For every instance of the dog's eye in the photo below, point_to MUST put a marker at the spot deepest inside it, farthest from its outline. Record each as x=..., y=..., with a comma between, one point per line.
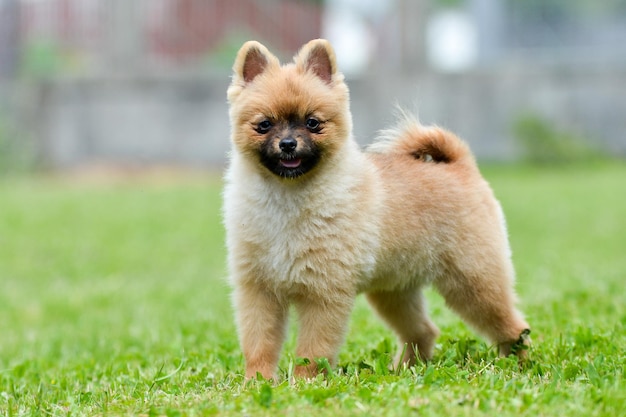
x=313, y=125
x=264, y=126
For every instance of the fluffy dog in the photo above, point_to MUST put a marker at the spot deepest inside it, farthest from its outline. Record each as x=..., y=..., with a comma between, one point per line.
x=312, y=220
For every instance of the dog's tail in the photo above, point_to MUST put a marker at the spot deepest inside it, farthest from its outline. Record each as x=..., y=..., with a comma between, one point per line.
x=426, y=143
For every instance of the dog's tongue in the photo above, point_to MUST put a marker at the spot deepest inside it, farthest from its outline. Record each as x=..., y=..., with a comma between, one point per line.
x=292, y=163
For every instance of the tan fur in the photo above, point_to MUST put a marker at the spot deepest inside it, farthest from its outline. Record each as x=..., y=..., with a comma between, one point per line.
x=411, y=211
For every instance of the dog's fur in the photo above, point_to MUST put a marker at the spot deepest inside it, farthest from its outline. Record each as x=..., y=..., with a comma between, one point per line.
x=313, y=221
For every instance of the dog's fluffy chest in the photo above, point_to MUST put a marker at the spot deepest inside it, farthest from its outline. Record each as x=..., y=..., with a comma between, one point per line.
x=289, y=236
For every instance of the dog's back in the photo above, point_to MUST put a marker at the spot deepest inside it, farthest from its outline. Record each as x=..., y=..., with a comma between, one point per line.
x=436, y=202
x=426, y=143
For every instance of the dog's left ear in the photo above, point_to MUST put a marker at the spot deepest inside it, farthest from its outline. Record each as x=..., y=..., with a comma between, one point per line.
x=318, y=57
x=252, y=60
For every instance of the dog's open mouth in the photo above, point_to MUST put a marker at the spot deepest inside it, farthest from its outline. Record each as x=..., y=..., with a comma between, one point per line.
x=291, y=163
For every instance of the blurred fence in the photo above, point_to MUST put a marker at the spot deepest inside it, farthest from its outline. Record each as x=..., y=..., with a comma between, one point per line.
x=44, y=38
x=85, y=37
x=143, y=81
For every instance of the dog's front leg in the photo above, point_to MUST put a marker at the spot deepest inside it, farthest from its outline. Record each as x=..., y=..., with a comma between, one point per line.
x=261, y=319
x=323, y=324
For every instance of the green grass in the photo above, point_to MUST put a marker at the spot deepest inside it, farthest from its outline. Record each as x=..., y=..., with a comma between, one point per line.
x=113, y=301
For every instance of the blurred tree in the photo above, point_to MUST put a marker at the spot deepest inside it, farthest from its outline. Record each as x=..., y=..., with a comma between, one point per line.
x=541, y=142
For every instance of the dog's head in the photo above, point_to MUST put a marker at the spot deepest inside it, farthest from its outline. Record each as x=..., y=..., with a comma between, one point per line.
x=289, y=119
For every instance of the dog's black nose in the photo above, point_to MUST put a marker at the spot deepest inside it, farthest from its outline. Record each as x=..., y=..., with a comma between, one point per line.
x=288, y=144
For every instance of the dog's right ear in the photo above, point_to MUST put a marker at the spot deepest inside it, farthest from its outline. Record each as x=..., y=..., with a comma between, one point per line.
x=252, y=59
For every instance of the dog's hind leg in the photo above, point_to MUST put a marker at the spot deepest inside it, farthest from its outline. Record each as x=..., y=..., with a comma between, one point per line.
x=405, y=312
x=487, y=302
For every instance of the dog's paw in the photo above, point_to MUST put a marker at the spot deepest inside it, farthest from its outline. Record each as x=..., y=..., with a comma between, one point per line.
x=518, y=348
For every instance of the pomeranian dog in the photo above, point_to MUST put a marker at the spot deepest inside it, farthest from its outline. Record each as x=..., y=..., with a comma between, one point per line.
x=312, y=221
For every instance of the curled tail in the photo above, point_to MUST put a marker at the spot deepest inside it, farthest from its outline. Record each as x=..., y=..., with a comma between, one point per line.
x=427, y=143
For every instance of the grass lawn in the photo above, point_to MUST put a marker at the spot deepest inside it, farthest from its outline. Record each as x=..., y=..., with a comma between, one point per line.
x=113, y=301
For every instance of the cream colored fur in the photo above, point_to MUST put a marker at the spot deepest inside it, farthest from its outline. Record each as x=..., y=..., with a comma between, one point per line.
x=410, y=212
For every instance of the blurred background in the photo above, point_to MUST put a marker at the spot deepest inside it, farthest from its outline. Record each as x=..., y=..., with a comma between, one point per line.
x=137, y=83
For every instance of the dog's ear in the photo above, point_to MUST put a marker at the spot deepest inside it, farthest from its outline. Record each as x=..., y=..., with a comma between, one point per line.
x=252, y=59
x=318, y=57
